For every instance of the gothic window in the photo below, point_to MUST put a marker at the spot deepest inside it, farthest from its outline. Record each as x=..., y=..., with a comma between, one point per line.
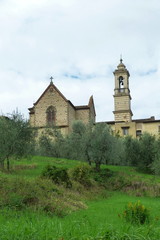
x=50, y=116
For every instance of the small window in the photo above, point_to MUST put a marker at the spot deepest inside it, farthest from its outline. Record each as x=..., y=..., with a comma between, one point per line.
x=125, y=131
x=138, y=133
x=50, y=116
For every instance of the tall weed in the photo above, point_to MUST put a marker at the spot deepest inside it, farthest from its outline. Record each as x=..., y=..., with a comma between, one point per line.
x=136, y=213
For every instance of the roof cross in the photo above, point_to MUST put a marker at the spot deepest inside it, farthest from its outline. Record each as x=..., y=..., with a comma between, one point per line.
x=51, y=79
x=121, y=58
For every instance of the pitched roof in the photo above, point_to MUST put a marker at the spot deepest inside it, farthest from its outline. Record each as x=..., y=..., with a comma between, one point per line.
x=91, y=102
x=50, y=85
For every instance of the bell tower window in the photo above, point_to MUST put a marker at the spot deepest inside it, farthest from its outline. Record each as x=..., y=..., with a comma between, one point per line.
x=50, y=116
x=121, y=84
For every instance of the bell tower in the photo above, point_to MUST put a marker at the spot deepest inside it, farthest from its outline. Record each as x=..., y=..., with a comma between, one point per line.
x=122, y=98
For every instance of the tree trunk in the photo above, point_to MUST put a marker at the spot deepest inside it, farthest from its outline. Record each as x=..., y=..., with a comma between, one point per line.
x=1, y=164
x=90, y=163
x=8, y=164
x=97, y=167
x=88, y=159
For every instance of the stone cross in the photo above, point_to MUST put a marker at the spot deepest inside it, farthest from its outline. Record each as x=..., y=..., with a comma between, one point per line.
x=51, y=79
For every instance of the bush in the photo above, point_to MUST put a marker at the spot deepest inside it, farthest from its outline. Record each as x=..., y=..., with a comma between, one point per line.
x=82, y=174
x=136, y=213
x=103, y=176
x=57, y=175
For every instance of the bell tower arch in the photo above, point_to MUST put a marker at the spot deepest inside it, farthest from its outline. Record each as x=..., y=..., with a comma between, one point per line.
x=122, y=98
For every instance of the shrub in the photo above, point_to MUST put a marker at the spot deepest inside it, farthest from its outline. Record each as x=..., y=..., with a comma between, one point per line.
x=103, y=176
x=57, y=175
x=136, y=213
x=82, y=174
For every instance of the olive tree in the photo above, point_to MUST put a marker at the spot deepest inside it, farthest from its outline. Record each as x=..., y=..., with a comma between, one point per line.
x=101, y=141
x=16, y=138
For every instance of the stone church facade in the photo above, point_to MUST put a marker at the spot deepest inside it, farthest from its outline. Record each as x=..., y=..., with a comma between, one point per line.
x=53, y=109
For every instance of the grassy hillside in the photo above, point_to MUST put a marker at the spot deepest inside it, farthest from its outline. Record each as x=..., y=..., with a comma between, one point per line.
x=35, y=208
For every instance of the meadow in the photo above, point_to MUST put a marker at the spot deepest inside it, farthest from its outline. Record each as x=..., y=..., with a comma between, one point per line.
x=97, y=213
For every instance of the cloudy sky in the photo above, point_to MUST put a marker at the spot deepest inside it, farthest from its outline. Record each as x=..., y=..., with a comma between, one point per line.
x=79, y=43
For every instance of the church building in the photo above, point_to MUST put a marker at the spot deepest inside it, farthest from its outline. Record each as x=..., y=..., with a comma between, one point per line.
x=53, y=109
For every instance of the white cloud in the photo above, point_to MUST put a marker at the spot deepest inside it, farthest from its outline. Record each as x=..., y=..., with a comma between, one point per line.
x=83, y=38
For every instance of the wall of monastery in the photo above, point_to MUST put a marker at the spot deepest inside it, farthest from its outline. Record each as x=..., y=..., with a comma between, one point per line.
x=71, y=116
x=32, y=120
x=152, y=128
x=92, y=116
x=82, y=115
x=130, y=125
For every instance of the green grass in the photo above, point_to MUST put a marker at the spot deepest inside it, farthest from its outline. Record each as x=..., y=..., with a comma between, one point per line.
x=103, y=216
x=38, y=163
x=132, y=171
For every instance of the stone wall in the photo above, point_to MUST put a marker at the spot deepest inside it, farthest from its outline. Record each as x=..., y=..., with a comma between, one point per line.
x=152, y=128
x=71, y=116
x=122, y=116
x=122, y=103
x=82, y=115
x=130, y=125
x=92, y=116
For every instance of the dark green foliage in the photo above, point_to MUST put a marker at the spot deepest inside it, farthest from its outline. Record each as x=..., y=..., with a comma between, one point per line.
x=97, y=145
x=46, y=146
x=52, y=143
x=147, y=152
x=143, y=153
x=82, y=174
x=16, y=138
x=132, y=151
x=136, y=213
x=101, y=141
x=57, y=175
x=92, y=143
x=74, y=142
x=155, y=166
x=117, y=152
x=78, y=128
x=103, y=176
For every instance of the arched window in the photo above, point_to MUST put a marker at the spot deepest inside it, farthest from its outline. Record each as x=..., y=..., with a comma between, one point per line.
x=121, y=83
x=50, y=116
